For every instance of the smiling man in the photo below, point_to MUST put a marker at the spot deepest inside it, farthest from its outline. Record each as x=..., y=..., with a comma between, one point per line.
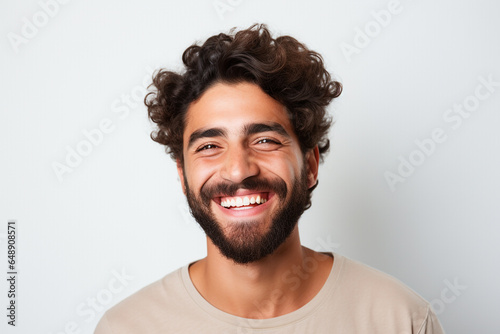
x=246, y=123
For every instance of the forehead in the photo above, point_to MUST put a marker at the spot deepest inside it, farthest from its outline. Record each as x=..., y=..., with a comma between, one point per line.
x=233, y=106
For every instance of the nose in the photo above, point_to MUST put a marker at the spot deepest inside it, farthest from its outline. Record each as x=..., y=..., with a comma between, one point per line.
x=238, y=165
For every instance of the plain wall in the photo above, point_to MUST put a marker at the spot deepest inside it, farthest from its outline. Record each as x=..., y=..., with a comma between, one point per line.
x=120, y=212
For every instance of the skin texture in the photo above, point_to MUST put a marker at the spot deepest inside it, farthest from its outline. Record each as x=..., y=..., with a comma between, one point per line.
x=231, y=155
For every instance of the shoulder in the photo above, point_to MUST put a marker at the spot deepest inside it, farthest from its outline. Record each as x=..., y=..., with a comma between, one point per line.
x=138, y=311
x=372, y=282
x=382, y=299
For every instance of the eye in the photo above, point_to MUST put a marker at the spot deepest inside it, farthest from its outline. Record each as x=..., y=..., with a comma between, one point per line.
x=206, y=147
x=267, y=144
x=268, y=141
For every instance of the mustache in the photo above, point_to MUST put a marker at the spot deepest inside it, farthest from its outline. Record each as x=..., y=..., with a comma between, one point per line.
x=277, y=186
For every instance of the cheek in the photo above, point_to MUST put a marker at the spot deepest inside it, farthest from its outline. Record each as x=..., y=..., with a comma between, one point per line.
x=283, y=167
x=199, y=173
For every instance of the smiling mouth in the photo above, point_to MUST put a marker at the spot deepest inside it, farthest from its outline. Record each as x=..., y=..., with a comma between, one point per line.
x=247, y=201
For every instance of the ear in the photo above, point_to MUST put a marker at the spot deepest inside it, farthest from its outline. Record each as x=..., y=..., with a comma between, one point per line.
x=312, y=161
x=180, y=171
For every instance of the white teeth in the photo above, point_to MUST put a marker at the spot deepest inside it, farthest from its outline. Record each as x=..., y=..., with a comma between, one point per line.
x=239, y=202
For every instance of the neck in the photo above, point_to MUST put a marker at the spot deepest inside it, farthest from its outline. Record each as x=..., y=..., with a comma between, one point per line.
x=278, y=284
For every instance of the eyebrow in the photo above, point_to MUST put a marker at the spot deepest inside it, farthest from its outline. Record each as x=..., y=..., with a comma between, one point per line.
x=249, y=129
x=206, y=133
x=254, y=128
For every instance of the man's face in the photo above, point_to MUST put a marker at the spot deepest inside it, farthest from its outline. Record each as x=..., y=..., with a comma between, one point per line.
x=244, y=174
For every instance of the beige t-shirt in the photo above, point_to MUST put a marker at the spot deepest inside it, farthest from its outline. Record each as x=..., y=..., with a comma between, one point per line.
x=354, y=299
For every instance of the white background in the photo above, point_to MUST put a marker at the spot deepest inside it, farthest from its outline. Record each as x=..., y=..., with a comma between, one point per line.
x=121, y=208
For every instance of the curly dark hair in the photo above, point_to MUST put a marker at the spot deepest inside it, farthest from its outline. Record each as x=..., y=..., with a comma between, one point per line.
x=283, y=68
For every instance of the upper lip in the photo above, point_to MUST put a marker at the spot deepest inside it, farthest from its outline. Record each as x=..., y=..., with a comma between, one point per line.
x=242, y=192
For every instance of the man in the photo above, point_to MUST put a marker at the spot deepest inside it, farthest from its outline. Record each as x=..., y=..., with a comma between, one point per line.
x=247, y=126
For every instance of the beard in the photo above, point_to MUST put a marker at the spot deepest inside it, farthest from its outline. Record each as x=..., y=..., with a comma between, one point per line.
x=245, y=242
